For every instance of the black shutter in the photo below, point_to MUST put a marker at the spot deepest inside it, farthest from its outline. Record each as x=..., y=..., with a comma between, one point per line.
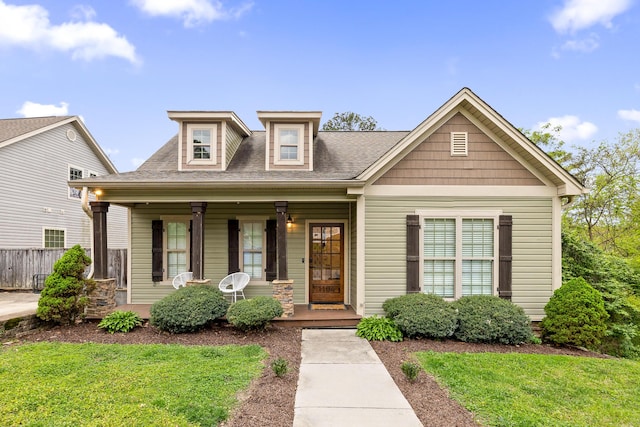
x=413, y=254
x=157, y=273
x=190, y=246
x=505, y=253
x=233, y=226
x=272, y=252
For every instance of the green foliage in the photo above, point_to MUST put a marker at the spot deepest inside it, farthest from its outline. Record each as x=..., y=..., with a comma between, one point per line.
x=376, y=328
x=120, y=321
x=350, y=121
x=280, y=367
x=254, y=314
x=188, y=309
x=63, y=298
x=490, y=319
x=423, y=315
x=411, y=370
x=548, y=139
x=575, y=315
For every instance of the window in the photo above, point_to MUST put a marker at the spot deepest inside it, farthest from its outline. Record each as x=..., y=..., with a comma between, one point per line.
x=201, y=144
x=252, y=248
x=74, y=173
x=459, y=143
x=53, y=238
x=459, y=256
x=176, y=247
x=289, y=144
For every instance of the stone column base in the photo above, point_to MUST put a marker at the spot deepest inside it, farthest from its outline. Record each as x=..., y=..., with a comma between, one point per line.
x=283, y=292
x=102, y=300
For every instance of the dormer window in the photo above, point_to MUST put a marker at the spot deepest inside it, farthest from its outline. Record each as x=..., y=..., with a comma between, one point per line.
x=289, y=144
x=201, y=144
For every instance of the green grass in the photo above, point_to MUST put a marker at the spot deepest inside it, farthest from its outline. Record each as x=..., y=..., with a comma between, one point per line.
x=55, y=384
x=540, y=390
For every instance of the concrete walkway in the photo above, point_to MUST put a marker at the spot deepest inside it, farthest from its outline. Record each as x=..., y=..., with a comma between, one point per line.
x=17, y=304
x=342, y=382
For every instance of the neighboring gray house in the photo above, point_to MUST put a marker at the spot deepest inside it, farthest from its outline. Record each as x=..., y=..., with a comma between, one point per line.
x=37, y=207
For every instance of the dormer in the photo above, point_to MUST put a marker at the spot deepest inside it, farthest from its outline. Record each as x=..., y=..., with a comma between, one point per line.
x=289, y=138
x=207, y=140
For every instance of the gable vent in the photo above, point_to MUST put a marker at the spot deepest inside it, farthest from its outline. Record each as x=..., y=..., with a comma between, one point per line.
x=459, y=143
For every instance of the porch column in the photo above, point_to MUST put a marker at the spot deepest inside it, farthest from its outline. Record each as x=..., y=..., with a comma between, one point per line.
x=281, y=217
x=100, y=255
x=198, y=210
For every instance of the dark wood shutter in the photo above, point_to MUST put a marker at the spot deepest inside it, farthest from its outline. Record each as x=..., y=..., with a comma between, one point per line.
x=233, y=226
x=157, y=271
x=190, y=246
x=413, y=254
x=505, y=254
x=272, y=252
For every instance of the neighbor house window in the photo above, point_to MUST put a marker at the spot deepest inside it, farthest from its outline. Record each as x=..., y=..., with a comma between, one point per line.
x=289, y=144
x=201, y=144
x=74, y=173
x=252, y=248
x=53, y=238
x=459, y=256
x=176, y=247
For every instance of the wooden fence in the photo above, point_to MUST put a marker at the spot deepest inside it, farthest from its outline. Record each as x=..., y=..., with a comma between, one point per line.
x=19, y=267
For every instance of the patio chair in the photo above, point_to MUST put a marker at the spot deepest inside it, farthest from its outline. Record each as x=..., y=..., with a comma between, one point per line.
x=182, y=279
x=234, y=284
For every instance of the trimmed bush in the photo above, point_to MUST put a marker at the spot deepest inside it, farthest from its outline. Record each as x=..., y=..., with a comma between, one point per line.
x=63, y=298
x=411, y=370
x=254, y=314
x=376, y=328
x=188, y=309
x=424, y=315
x=490, y=319
x=120, y=321
x=575, y=315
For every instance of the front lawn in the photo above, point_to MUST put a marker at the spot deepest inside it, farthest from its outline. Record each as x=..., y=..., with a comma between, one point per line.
x=56, y=384
x=540, y=390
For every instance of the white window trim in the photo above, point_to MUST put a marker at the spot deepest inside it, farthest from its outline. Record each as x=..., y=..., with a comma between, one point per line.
x=262, y=220
x=458, y=215
x=69, y=189
x=459, y=144
x=165, y=259
x=54, y=229
x=276, y=152
x=213, y=128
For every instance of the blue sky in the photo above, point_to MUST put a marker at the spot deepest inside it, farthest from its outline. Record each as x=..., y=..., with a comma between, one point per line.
x=121, y=65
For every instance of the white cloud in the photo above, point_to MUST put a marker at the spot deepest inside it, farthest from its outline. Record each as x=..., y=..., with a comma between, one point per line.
x=577, y=15
x=32, y=109
x=585, y=45
x=111, y=151
x=633, y=115
x=572, y=128
x=29, y=27
x=192, y=12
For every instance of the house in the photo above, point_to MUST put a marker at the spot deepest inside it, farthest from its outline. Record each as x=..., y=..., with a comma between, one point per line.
x=37, y=207
x=462, y=204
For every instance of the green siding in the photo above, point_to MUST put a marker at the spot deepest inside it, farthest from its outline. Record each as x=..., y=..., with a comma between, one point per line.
x=532, y=246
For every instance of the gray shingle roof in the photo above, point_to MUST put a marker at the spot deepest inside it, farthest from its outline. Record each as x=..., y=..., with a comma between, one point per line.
x=12, y=128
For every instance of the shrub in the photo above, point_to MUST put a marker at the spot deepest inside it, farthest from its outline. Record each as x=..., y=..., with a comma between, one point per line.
x=411, y=370
x=120, y=321
x=188, y=309
x=376, y=328
x=280, y=367
x=575, y=315
x=254, y=314
x=423, y=315
x=63, y=298
x=490, y=319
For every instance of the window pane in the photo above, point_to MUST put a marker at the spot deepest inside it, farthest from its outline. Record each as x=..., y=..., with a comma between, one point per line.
x=201, y=152
x=53, y=238
x=252, y=264
x=289, y=152
x=439, y=237
x=439, y=278
x=202, y=136
x=477, y=277
x=477, y=238
x=177, y=263
x=73, y=175
x=252, y=233
x=289, y=137
x=176, y=236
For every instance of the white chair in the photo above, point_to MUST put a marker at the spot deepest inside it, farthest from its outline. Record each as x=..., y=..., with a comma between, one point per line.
x=234, y=284
x=182, y=279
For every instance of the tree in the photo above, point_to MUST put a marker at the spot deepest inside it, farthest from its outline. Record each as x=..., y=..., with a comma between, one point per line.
x=351, y=121
x=548, y=139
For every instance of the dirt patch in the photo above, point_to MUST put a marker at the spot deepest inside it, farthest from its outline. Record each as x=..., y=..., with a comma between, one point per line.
x=270, y=400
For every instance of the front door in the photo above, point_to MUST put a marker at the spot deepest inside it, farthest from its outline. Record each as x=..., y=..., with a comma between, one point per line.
x=326, y=263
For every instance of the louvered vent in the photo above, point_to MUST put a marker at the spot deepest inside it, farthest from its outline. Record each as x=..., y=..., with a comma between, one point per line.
x=459, y=143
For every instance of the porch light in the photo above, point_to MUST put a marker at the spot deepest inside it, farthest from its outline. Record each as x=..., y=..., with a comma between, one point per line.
x=289, y=221
x=97, y=192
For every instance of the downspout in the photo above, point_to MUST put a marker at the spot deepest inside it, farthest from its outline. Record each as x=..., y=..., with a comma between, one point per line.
x=87, y=210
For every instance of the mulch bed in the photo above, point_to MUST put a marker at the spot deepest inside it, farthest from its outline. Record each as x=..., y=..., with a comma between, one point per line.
x=270, y=400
